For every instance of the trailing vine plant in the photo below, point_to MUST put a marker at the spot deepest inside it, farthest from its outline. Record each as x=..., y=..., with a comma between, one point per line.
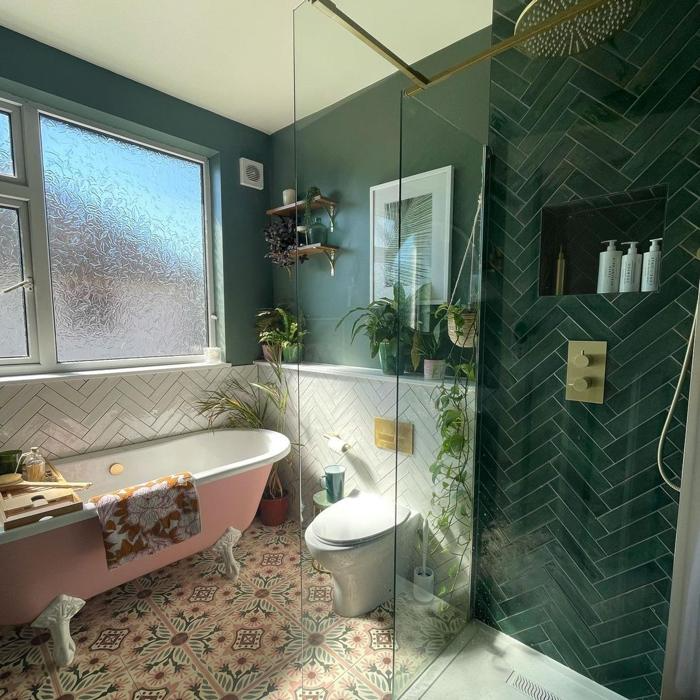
x=451, y=512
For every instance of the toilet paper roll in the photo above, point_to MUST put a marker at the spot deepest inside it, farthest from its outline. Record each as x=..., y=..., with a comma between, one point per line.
x=336, y=444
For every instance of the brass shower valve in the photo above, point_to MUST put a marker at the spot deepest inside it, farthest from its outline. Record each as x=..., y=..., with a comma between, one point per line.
x=585, y=375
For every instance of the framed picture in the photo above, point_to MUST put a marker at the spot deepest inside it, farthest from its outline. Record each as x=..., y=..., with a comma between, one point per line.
x=425, y=216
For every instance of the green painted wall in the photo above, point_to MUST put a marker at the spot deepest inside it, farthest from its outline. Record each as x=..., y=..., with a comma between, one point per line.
x=356, y=144
x=576, y=531
x=39, y=72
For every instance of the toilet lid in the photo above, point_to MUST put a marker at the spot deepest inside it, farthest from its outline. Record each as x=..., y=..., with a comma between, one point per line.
x=357, y=519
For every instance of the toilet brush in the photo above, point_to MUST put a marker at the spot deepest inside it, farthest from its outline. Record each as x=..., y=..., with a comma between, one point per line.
x=423, y=577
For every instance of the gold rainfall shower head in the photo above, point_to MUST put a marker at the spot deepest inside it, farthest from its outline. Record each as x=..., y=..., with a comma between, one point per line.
x=581, y=32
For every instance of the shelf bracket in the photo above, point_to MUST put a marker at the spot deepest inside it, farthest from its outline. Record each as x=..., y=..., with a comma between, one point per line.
x=331, y=211
x=331, y=255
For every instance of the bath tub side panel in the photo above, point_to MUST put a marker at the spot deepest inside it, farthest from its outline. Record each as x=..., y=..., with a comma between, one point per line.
x=71, y=559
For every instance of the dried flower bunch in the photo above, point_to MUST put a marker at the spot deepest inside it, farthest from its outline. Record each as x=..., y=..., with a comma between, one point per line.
x=281, y=239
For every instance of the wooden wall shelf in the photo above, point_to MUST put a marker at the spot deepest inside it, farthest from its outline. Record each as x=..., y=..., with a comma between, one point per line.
x=293, y=210
x=319, y=202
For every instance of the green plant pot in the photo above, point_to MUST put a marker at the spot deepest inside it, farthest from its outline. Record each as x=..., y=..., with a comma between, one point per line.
x=391, y=361
x=9, y=461
x=291, y=354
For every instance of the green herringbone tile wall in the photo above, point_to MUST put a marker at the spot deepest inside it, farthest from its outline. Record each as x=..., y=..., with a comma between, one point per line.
x=576, y=532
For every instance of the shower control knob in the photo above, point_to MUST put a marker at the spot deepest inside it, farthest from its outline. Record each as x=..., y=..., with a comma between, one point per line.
x=582, y=360
x=581, y=384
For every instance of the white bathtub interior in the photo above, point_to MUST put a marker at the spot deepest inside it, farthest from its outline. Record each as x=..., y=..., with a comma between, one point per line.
x=207, y=455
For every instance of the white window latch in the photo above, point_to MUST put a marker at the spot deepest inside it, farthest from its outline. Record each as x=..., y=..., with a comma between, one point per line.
x=28, y=285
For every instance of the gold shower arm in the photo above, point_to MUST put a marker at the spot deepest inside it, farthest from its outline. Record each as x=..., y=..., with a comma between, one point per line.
x=420, y=81
x=510, y=42
x=334, y=12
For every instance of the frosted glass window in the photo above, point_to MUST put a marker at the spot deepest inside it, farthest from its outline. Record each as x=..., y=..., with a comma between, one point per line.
x=13, y=319
x=127, y=247
x=7, y=166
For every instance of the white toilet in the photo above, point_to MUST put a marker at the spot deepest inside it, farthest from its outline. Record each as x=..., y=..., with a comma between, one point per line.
x=354, y=540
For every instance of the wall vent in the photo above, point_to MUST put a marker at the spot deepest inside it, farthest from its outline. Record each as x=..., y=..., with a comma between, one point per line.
x=529, y=688
x=252, y=174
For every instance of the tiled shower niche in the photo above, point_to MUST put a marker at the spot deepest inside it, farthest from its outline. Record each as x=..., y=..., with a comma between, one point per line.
x=576, y=232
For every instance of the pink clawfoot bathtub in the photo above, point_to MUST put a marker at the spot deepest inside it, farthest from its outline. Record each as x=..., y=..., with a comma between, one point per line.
x=64, y=556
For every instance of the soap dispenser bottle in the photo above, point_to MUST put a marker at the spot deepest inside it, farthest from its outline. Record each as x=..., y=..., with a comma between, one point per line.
x=33, y=465
x=631, y=273
x=609, y=269
x=651, y=269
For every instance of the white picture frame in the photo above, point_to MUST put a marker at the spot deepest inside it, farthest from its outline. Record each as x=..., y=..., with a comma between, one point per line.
x=426, y=220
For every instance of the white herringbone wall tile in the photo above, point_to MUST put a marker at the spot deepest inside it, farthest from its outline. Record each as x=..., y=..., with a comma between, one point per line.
x=67, y=417
x=347, y=406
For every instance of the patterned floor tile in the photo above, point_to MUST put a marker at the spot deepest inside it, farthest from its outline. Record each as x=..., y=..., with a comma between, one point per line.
x=187, y=632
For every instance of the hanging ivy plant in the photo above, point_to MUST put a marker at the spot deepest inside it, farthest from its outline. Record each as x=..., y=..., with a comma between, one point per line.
x=451, y=472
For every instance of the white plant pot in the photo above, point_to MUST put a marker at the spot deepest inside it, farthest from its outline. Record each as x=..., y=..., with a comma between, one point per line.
x=289, y=197
x=434, y=369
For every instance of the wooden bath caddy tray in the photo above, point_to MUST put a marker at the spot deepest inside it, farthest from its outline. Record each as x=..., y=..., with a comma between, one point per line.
x=22, y=506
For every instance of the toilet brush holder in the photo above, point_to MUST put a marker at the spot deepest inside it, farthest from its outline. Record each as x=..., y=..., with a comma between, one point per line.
x=423, y=584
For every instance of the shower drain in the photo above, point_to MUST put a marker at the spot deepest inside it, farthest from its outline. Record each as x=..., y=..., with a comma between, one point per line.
x=530, y=688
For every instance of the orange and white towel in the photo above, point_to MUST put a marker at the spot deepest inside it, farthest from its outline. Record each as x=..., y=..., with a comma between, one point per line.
x=143, y=519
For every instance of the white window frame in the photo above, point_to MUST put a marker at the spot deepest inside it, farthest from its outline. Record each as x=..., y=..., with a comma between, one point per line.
x=25, y=192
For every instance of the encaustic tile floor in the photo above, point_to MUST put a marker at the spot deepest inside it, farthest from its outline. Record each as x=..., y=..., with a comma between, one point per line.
x=185, y=632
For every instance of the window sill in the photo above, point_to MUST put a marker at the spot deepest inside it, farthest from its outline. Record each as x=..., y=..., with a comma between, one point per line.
x=348, y=371
x=116, y=372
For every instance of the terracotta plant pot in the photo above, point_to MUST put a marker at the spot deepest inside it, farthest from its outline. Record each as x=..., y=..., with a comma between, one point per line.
x=270, y=352
x=463, y=332
x=434, y=369
x=274, y=511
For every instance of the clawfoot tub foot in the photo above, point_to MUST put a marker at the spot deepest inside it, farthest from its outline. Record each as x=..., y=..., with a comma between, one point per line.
x=224, y=546
x=56, y=618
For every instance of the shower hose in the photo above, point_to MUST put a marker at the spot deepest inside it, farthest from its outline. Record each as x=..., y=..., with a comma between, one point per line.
x=674, y=402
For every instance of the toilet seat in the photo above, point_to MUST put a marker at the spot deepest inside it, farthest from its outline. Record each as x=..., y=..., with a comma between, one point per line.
x=357, y=519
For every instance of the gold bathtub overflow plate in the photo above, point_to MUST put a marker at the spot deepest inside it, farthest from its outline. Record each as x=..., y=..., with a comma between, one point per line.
x=585, y=374
x=116, y=469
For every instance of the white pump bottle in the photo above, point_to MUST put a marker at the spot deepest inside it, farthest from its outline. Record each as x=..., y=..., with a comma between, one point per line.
x=631, y=273
x=609, y=269
x=651, y=269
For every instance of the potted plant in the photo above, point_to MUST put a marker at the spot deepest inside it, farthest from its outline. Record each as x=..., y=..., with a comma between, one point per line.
x=461, y=323
x=247, y=405
x=282, y=244
x=427, y=346
x=311, y=194
x=286, y=334
x=268, y=320
x=385, y=323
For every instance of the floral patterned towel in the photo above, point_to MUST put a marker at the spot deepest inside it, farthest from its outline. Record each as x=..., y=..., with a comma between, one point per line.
x=143, y=519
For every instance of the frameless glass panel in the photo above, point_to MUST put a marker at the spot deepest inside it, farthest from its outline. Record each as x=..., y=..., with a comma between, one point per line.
x=7, y=165
x=126, y=240
x=346, y=139
x=13, y=318
x=439, y=259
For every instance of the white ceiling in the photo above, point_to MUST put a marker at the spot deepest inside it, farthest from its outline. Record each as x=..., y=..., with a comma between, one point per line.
x=236, y=58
